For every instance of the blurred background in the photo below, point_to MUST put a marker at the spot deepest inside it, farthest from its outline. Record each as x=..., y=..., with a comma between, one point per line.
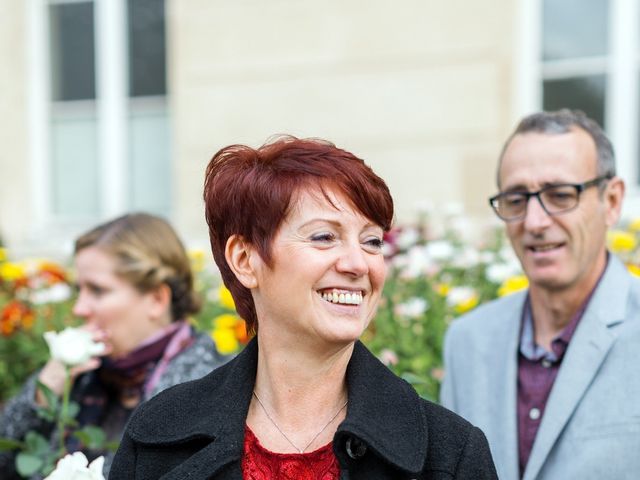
x=108, y=106
x=112, y=106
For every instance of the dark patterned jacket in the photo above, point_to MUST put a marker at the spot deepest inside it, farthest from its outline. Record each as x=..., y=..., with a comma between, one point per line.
x=196, y=430
x=19, y=415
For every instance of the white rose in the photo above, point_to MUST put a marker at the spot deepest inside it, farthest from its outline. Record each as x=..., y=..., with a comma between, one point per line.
x=76, y=467
x=72, y=346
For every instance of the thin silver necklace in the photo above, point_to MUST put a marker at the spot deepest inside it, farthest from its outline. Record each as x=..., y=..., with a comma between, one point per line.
x=300, y=450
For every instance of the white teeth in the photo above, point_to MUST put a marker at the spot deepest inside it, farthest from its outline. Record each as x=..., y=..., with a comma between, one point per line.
x=349, y=298
x=544, y=248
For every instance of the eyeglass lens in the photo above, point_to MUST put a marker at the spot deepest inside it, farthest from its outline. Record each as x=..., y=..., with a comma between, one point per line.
x=554, y=199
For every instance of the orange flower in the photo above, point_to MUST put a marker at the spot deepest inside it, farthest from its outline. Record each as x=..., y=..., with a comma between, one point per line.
x=241, y=331
x=51, y=272
x=15, y=315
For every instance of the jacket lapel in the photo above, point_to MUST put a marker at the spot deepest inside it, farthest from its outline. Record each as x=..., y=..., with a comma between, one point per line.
x=385, y=412
x=504, y=392
x=214, y=408
x=208, y=462
x=586, y=352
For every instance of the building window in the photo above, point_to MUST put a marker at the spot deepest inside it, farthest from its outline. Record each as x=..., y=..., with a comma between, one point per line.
x=147, y=57
x=574, y=55
x=72, y=51
x=107, y=114
x=75, y=188
x=589, y=56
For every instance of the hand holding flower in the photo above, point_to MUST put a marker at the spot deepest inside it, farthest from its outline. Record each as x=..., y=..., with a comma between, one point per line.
x=74, y=349
x=73, y=346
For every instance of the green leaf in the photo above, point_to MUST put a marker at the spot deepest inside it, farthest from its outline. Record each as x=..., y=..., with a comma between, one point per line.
x=36, y=444
x=92, y=437
x=46, y=414
x=7, y=444
x=50, y=396
x=413, y=379
x=112, y=446
x=72, y=411
x=27, y=464
x=49, y=463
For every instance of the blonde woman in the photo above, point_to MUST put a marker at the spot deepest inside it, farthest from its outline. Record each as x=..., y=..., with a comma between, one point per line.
x=135, y=293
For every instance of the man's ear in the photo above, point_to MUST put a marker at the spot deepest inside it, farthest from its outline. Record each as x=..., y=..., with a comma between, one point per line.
x=238, y=253
x=613, y=197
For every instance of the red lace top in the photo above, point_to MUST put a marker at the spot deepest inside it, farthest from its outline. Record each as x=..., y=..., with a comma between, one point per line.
x=258, y=463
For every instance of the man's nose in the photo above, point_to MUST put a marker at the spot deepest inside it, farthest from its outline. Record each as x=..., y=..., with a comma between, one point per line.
x=536, y=217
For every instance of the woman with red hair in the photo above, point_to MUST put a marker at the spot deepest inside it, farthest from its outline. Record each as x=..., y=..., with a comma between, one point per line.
x=296, y=228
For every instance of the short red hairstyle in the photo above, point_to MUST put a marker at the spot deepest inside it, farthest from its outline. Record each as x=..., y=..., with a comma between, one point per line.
x=248, y=192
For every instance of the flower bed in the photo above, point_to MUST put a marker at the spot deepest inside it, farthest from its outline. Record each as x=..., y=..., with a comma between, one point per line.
x=432, y=279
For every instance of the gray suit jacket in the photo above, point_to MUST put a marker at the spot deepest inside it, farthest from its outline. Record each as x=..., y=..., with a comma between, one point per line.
x=591, y=425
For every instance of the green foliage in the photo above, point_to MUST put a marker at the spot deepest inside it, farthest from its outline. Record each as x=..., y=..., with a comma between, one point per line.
x=36, y=457
x=430, y=282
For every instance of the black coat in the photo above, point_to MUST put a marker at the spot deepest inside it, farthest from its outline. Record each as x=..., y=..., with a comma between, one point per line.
x=196, y=430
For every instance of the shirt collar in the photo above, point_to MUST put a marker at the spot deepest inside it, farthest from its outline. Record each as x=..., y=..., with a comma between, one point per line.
x=534, y=352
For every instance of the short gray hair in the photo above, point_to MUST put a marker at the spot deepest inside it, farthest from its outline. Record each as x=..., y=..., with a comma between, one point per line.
x=561, y=121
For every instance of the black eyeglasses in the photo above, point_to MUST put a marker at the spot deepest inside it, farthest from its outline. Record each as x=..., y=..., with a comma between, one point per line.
x=554, y=199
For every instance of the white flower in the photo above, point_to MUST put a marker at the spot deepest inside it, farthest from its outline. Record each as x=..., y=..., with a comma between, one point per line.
x=415, y=263
x=57, y=293
x=487, y=256
x=458, y=295
x=412, y=308
x=76, y=467
x=72, y=346
x=440, y=250
x=407, y=238
x=467, y=258
x=499, y=272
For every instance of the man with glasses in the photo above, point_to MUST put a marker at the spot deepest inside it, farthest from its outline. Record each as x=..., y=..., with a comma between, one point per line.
x=552, y=374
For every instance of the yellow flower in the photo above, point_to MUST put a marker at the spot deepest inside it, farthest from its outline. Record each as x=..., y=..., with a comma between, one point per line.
x=466, y=305
x=462, y=298
x=225, y=340
x=634, y=226
x=3, y=254
x=225, y=298
x=634, y=269
x=197, y=258
x=621, y=241
x=226, y=320
x=512, y=285
x=442, y=289
x=11, y=271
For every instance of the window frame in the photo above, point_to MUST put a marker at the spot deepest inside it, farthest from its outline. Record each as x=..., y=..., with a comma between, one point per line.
x=113, y=110
x=622, y=99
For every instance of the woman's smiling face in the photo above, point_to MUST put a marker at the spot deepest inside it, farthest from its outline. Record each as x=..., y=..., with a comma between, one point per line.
x=327, y=271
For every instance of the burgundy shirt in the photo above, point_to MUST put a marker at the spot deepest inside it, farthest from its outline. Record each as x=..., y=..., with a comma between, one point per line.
x=537, y=371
